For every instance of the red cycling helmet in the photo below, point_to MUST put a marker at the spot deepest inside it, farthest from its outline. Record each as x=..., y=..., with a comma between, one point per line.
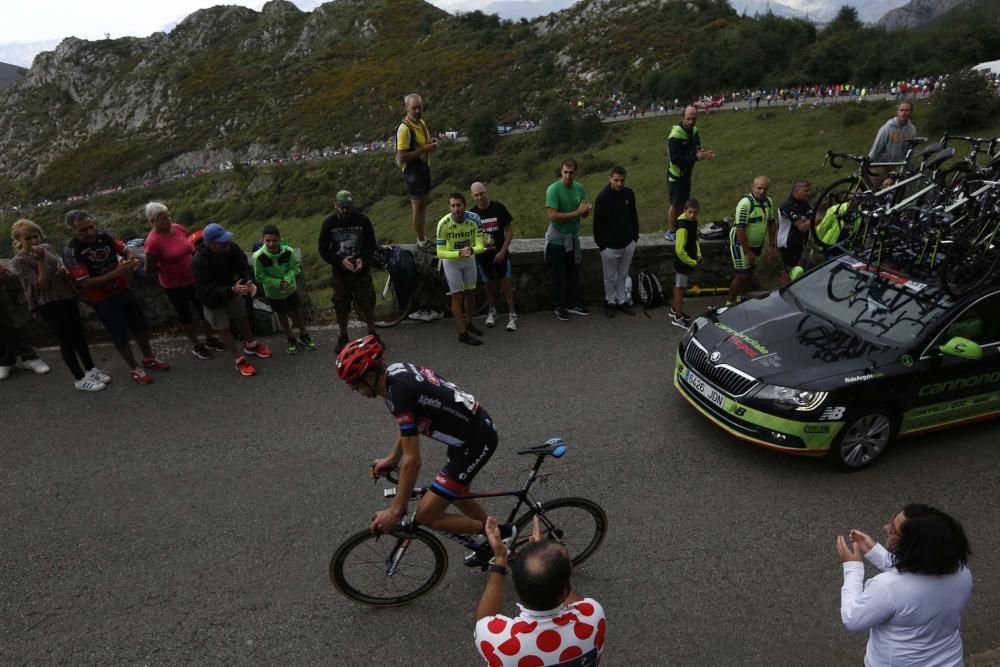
x=358, y=357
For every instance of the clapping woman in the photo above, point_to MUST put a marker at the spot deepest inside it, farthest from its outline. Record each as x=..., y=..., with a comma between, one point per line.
x=51, y=295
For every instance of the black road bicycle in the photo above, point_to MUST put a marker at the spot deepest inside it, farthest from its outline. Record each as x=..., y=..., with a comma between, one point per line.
x=410, y=561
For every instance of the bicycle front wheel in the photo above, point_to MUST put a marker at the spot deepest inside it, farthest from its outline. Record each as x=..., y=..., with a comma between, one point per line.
x=577, y=523
x=388, y=570
x=837, y=193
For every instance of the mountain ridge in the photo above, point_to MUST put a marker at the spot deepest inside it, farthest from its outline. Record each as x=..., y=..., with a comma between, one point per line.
x=233, y=84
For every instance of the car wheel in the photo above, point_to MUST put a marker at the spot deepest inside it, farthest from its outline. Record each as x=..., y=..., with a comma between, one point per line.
x=862, y=440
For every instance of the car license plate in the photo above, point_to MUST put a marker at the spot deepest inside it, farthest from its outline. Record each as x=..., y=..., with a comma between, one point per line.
x=704, y=389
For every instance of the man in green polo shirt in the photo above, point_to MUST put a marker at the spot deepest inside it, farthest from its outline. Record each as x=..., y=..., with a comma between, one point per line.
x=565, y=204
x=755, y=223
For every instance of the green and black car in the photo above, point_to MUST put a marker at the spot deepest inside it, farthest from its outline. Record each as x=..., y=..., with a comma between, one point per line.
x=843, y=360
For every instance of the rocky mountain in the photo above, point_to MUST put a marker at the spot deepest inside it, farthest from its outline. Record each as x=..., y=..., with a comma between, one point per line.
x=920, y=11
x=230, y=84
x=10, y=73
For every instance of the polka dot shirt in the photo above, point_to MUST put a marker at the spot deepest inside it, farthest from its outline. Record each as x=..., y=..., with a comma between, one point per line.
x=570, y=636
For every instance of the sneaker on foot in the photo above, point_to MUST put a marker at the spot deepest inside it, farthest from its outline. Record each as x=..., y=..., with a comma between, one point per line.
x=679, y=319
x=97, y=375
x=213, y=343
x=424, y=315
x=473, y=329
x=512, y=322
x=341, y=342
x=86, y=383
x=292, y=348
x=258, y=350
x=670, y=236
x=627, y=309
x=36, y=365
x=562, y=314
x=201, y=351
x=609, y=310
x=579, y=310
x=244, y=368
x=468, y=340
x=5, y=372
x=307, y=342
x=155, y=364
x=140, y=376
x=491, y=318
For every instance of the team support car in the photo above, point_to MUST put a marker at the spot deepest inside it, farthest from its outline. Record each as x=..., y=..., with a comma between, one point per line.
x=843, y=360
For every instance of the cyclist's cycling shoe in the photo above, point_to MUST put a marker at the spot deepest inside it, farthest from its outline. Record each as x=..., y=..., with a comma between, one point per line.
x=483, y=555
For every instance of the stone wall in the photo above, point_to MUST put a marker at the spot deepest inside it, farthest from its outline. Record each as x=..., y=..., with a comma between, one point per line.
x=531, y=276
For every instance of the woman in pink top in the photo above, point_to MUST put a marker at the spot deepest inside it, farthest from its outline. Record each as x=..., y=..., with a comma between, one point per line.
x=168, y=254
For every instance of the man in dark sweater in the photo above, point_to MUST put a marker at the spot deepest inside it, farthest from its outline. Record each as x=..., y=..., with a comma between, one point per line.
x=616, y=231
x=347, y=243
x=223, y=278
x=795, y=215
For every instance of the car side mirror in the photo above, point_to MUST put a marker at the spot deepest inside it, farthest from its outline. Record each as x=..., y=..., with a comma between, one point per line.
x=963, y=348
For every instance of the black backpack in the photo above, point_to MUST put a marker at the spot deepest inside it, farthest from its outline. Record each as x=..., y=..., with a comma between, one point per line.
x=650, y=292
x=402, y=269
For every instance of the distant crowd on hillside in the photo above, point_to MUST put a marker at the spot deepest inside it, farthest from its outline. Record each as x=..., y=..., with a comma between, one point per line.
x=615, y=105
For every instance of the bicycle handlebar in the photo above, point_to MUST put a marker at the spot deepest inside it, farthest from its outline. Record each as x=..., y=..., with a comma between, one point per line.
x=832, y=157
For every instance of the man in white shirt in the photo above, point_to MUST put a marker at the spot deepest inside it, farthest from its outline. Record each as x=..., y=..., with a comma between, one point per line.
x=913, y=609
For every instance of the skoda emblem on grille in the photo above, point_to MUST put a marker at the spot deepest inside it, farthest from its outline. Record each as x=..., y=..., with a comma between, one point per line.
x=715, y=356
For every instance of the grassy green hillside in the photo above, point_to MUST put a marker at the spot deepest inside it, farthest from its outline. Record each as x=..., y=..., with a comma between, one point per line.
x=784, y=145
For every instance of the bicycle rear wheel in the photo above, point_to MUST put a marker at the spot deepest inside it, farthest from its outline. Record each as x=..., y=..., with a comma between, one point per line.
x=972, y=258
x=389, y=310
x=577, y=523
x=388, y=570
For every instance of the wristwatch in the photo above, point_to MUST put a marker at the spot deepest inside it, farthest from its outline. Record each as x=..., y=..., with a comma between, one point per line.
x=499, y=569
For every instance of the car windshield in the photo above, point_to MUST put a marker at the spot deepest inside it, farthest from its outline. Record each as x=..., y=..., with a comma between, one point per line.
x=874, y=303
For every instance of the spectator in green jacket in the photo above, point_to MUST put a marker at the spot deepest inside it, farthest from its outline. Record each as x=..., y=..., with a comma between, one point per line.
x=276, y=267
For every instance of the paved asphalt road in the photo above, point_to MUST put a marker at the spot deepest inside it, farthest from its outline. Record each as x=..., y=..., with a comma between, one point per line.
x=192, y=521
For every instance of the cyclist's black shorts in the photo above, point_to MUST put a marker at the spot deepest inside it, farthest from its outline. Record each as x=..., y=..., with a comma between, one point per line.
x=418, y=179
x=680, y=192
x=465, y=460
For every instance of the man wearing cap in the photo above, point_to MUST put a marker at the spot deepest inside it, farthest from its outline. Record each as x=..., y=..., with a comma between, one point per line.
x=223, y=278
x=347, y=243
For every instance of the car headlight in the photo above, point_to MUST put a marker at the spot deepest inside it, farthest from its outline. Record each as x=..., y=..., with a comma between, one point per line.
x=799, y=399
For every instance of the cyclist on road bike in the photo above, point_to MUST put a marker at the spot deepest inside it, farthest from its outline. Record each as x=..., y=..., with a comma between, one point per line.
x=424, y=403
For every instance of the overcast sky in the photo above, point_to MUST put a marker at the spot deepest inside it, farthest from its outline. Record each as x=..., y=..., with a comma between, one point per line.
x=25, y=21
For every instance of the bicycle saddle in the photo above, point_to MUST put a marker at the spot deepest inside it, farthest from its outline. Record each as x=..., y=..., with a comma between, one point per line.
x=940, y=158
x=930, y=150
x=553, y=447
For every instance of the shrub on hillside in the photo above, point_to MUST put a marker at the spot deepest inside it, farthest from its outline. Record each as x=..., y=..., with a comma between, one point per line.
x=966, y=103
x=482, y=133
x=853, y=115
x=557, y=126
